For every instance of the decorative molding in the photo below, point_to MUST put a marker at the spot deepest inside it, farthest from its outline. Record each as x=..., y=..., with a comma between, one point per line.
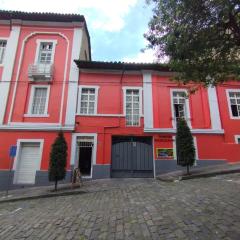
x=147, y=100
x=72, y=97
x=37, y=127
x=101, y=115
x=10, y=54
x=214, y=108
x=19, y=68
x=173, y=130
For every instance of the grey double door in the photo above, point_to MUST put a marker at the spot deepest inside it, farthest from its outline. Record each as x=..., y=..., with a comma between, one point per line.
x=132, y=157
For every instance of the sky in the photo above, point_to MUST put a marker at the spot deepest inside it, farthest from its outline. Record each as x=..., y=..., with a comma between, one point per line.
x=116, y=27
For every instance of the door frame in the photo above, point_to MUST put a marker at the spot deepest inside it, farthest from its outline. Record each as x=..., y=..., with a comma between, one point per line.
x=75, y=147
x=19, y=152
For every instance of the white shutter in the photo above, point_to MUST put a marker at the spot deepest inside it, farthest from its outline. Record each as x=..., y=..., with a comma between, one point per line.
x=28, y=163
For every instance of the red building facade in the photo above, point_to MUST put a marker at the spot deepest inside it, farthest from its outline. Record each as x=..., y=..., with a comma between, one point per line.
x=119, y=119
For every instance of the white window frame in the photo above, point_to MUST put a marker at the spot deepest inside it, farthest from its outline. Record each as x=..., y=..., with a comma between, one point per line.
x=236, y=137
x=29, y=114
x=79, y=99
x=4, y=57
x=39, y=41
x=188, y=115
x=229, y=103
x=140, y=102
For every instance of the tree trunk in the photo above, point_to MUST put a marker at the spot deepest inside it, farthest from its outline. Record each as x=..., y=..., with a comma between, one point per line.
x=56, y=181
x=188, y=170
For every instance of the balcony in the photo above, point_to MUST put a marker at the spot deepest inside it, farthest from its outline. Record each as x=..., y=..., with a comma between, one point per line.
x=40, y=72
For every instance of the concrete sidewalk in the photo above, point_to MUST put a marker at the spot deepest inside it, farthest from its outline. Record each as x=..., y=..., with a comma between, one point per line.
x=39, y=192
x=29, y=193
x=200, y=172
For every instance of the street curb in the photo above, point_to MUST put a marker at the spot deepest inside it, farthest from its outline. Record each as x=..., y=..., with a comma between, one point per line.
x=47, y=195
x=200, y=175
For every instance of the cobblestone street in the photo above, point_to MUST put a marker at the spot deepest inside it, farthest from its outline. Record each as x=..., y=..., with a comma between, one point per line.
x=207, y=208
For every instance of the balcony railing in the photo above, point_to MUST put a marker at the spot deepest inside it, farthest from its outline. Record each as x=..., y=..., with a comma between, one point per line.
x=40, y=72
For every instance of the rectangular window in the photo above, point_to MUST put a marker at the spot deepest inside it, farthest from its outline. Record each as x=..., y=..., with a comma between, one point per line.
x=132, y=107
x=45, y=53
x=234, y=98
x=179, y=104
x=88, y=101
x=39, y=101
x=3, y=44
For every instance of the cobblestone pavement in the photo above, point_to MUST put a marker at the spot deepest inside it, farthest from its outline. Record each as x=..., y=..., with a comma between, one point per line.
x=206, y=208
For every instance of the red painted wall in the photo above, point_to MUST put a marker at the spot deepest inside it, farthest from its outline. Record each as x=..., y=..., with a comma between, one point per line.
x=24, y=85
x=10, y=138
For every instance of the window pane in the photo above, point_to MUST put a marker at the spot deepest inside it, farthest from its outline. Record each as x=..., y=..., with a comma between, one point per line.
x=132, y=107
x=181, y=101
x=84, y=104
x=45, y=53
x=91, y=105
x=135, y=105
x=39, y=101
x=85, y=90
x=84, y=97
x=179, y=104
x=91, y=111
x=234, y=110
x=92, y=97
x=129, y=98
x=88, y=98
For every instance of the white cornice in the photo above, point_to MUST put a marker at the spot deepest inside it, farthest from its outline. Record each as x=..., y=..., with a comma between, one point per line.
x=173, y=130
x=37, y=127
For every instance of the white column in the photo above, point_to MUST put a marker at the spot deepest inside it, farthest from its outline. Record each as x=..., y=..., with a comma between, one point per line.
x=147, y=100
x=73, y=78
x=10, y=55
x=214, y=108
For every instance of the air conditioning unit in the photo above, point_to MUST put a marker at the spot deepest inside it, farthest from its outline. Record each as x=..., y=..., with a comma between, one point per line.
x=40, y=72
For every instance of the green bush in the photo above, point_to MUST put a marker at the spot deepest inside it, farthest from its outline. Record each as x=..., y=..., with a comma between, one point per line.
x=185, y=145
x=58, y=160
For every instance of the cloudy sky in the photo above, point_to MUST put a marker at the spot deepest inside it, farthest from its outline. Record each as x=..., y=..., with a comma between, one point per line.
x=116, y=26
